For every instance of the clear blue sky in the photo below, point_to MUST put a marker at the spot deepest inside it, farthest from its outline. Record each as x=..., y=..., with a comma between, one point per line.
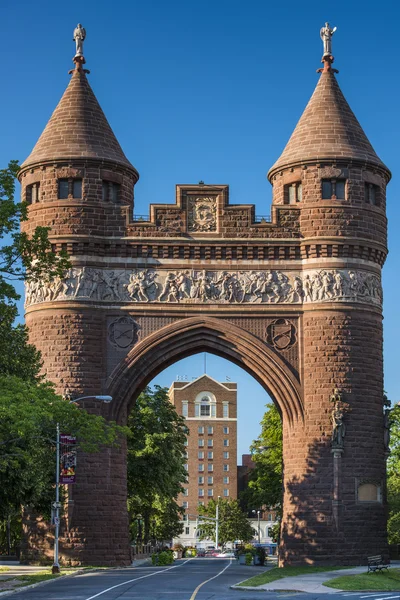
x=209, y=90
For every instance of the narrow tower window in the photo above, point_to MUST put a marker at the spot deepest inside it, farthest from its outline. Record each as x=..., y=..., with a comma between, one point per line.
x=371, y=194
x=333, y=189
x=293, y=193
x=32, y=193
x=111, y=191
x=69, y=188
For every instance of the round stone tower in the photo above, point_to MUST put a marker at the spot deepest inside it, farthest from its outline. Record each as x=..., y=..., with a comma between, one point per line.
x=335, y=506
x=78, y=181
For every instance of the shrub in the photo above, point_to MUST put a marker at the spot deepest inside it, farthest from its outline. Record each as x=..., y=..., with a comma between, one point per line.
x=249, y=558
x=162, y=558
x=260, y=552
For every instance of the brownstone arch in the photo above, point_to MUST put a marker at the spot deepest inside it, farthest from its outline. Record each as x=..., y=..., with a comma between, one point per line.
x=295, y=299
x=205, y=334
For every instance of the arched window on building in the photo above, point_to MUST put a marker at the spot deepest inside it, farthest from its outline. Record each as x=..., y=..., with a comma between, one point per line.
x=205, y=405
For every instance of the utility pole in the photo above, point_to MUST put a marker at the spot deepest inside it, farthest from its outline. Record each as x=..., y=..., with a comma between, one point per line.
x=217, y=523
x=258, y=521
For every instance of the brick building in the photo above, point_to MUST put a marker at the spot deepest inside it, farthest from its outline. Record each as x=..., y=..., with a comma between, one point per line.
x=210, y=410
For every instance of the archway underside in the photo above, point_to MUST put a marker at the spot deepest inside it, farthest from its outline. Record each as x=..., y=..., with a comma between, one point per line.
x=205, y=334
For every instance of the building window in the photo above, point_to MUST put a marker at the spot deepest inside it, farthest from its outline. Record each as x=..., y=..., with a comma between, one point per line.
x=187, y=530
x=200, y=430
x=205, y=410
x=111, y=191
x=186, y=442
x=210, y=430
x=184, y=518
x=186, y=492
x=226, y=492
x=269, y=517
x=200, y=503
x=205, y=405
x=185, y=504
x=201, y=443
x=184, y=409
x=293, y=193
x=185, y=455
x=226, y=430
x=200, y=492
x=69, y=188
x=210, y=468
x=210, y=480
x=200, y=455
x=32, y=193
x=226, y=467
x=200, y=480
x=210, y=455
x=226, y=454
x=210, y=443
x=210, y=492
x=201, y=468
x=333, y=189
x=186, y=466
x=225, y=409
x=226, y=479
x=371, y=194
x=226, y=443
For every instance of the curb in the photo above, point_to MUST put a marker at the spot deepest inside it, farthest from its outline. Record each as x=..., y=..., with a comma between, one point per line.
x=39, y=583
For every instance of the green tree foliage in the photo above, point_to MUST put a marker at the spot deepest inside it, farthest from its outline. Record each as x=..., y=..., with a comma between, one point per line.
x=265, y=480
x=233, y=522
x=156, y=458
x=22, y=258
x=29, y=412
x=393, y=477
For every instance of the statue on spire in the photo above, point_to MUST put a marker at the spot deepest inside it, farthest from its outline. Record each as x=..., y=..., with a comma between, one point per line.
x=326, y=34
x=79, y=37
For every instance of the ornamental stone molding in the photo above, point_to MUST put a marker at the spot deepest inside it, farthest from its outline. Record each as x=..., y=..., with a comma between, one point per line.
x=202, y=214
x=149, y=285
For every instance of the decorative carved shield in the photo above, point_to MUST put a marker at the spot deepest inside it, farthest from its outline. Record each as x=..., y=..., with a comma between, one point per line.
x=281, y=334
x=122, y=332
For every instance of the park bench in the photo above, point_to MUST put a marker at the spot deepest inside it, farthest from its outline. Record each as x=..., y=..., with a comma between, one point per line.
x=376, y=563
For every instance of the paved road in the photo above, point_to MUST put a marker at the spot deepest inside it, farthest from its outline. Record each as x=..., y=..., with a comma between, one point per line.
x=194, y=579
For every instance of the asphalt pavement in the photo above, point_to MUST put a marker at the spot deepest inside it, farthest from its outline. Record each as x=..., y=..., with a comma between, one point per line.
x=193, y=579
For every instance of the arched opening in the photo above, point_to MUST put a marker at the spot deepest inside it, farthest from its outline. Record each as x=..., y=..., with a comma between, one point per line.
x=205, y=334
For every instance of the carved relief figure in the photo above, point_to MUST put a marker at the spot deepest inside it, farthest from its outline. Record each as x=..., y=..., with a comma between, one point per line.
x=340, y=408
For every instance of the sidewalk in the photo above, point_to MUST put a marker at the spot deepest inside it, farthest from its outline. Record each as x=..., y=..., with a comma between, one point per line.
x=311, y=583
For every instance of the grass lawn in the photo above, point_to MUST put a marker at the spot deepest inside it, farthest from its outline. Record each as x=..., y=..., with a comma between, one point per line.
x=280, y=573
x=385, y=581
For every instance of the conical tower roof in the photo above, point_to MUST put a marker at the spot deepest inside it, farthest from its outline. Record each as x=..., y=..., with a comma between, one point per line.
x=327, y=130
x=78, y=128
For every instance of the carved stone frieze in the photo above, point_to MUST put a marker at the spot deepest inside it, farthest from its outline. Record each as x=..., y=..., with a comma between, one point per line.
x=202, y=214
x=203, y=286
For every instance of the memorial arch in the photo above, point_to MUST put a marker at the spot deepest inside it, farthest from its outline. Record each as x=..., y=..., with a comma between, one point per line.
x=295, y=300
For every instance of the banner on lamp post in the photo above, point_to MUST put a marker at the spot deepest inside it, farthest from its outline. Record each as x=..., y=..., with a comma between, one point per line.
x=67, y=458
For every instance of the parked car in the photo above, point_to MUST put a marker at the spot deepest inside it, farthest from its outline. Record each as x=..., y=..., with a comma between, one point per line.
x=226, y=554
x=201, y=552
x=212, y=552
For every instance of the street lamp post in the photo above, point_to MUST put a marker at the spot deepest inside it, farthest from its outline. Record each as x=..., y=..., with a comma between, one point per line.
x=57, y=505
x=258, y=523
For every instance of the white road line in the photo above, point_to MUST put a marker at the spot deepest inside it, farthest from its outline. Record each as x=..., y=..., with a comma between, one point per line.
x=372, y=595
x=137, y=579
x=387, y=597
x=193, y=596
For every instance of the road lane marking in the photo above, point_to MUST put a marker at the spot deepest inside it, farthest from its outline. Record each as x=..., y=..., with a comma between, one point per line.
x=193, y=596
x=137, y=579
x=387, y=597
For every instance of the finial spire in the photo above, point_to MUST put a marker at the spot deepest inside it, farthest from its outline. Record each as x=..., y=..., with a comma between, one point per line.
x=326, y=34
x=79, y=38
